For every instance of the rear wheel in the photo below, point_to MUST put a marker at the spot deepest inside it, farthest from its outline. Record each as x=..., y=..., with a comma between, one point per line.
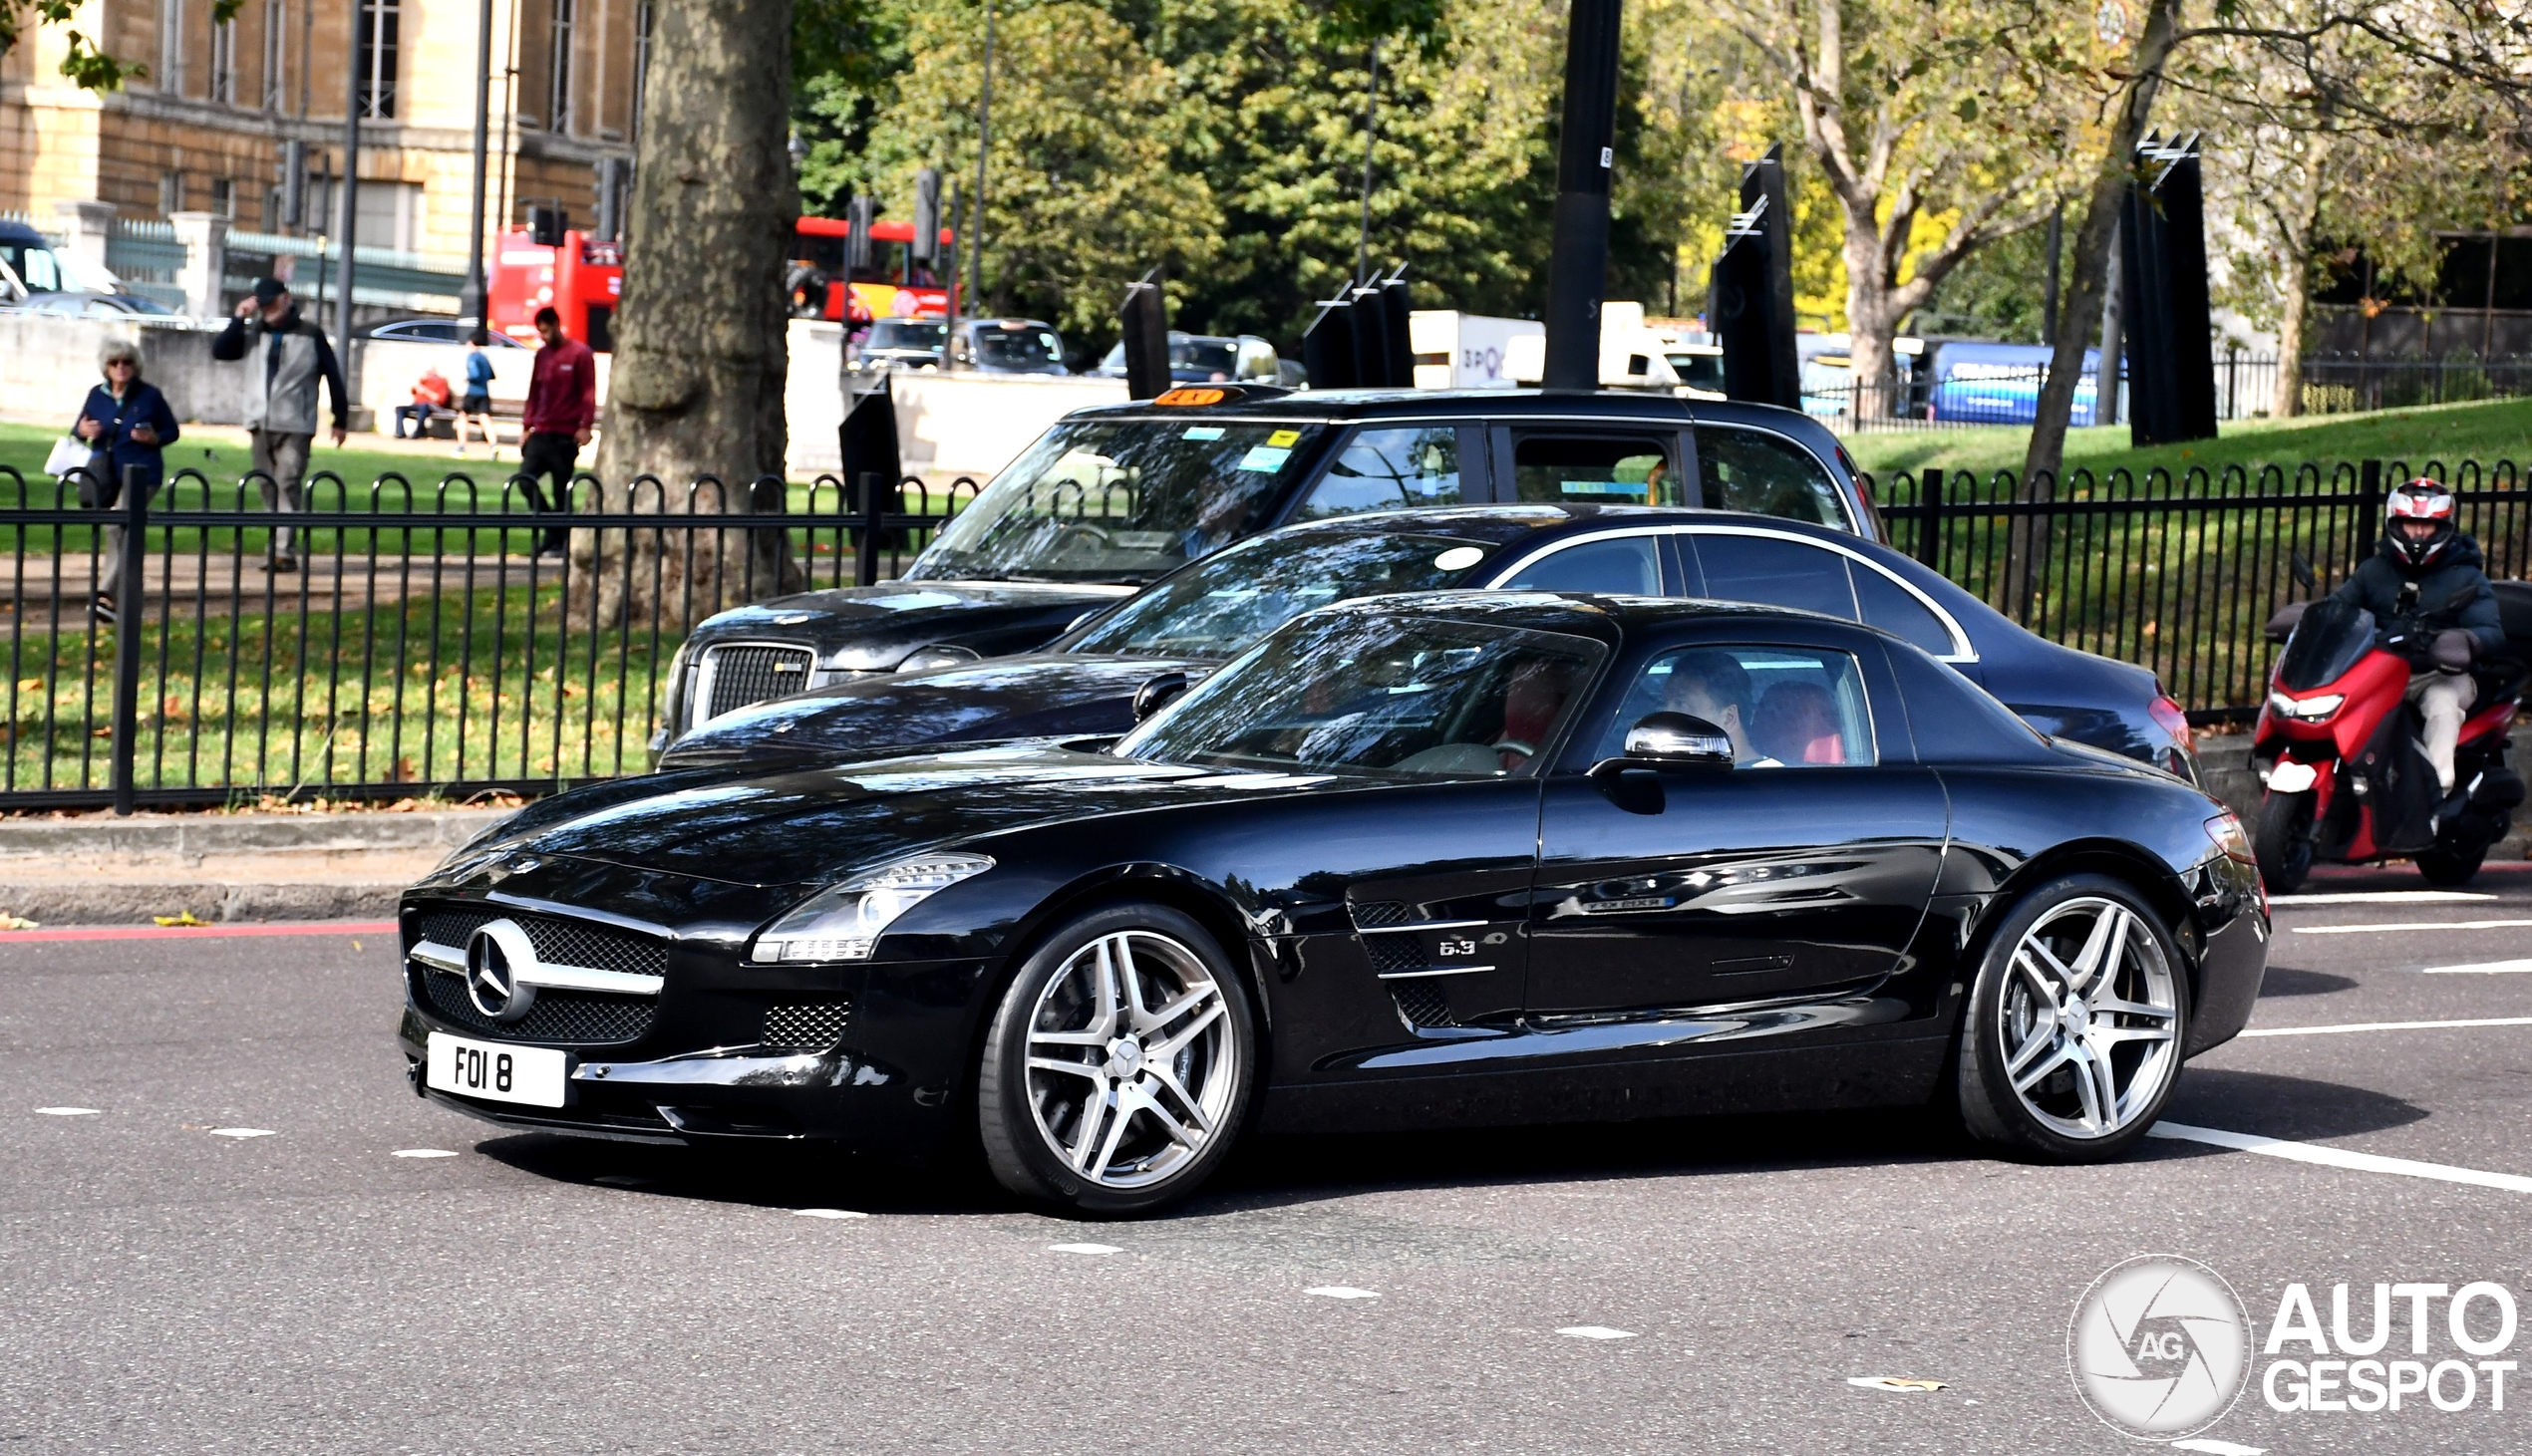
x=1118, y=1066
x=2284, y=844
x=2073, y=1036
x=2453, y=863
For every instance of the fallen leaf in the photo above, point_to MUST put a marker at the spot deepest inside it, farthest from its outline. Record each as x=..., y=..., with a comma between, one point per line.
x=182, y=917
x=15, y=922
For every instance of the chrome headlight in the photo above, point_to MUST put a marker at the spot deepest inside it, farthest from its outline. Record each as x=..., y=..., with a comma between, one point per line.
x=2308, y=710
x=842, y=923
x=924, y=659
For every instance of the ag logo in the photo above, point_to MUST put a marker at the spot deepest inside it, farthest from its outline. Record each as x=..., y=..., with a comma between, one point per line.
x=2159, y=1347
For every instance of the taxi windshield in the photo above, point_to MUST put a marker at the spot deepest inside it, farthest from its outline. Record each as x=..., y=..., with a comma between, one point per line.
x=1120, y=500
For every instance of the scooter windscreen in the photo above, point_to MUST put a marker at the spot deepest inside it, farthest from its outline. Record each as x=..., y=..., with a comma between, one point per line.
x=2328, y=641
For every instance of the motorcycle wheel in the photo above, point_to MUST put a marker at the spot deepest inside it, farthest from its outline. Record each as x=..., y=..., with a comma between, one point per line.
x=2284, y=844
x=2453, y=860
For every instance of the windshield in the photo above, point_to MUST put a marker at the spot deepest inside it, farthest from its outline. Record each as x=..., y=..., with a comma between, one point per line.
x=1699, y=371
x=2329, y=639
x=32, y=265
x=1119, y=501
x=1372, y=692
x=1219, y=607
x=906, y=333
x=1001, y=348
x=1210, y=359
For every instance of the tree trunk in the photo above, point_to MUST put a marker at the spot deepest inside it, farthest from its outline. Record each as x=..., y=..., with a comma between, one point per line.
x=2295, y=238
x=696, y=394
x=2045, y=458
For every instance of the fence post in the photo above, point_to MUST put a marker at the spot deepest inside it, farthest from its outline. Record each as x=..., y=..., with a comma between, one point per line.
x=2360, y=531
x=865, y=567
x=127, y=616
x=1930, y=492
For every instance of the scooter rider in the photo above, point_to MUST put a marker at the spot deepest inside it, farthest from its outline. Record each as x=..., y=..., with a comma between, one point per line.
x=2432, y=605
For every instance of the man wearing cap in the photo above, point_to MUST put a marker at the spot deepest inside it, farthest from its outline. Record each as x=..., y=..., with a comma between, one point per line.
x=281, y=409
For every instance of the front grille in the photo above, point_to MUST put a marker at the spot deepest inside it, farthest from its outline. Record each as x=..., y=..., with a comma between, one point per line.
x=1391, y=952
x=814, y=1028
x=1421, y=1003
x=558, y=941
x=582, y=1018
x=1376, y=913
x=747, y=674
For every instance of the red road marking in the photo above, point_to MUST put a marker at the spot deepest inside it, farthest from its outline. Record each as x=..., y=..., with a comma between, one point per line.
x=181, y=932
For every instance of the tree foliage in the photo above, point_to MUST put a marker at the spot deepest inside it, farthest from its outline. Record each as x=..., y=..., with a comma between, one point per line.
x=89, y=66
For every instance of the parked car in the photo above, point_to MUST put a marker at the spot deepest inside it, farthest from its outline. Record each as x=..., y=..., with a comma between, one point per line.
x=111, y=306
x=894, y=343
x=438, y=331
x=28, y=264
x=1182, y=628
x=1007, y=346
x=1116, y=498
x=1998, y=384
x=1476, y=858
x=1200, y=359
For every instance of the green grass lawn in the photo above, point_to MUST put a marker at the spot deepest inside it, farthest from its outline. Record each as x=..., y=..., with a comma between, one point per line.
x=2488, y=432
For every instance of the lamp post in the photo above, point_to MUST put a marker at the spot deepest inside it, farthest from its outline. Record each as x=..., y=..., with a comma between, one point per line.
x=984, y=145
x=471, y=302
x=351, y=195
x=1578, y=264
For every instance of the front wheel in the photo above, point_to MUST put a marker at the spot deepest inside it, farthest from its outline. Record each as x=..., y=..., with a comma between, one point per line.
x=2073, y=1034
x=1118, y=1066
x=2284, y=844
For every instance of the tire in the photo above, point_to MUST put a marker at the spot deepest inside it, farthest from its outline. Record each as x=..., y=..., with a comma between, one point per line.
x=2284, y=845
x=2452, y=863
x=1125, y=1132
x=2026, y=1067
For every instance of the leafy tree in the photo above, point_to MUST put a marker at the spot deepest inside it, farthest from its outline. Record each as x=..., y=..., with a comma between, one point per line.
x=89, y=67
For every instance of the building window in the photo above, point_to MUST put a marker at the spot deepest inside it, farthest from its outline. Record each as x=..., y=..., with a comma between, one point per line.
x=643, y=14
x=225, y=197
x=172, y=47
x=378, y=24
x=558, y=74
x=276, y=57
x=170, y=193
x=224, y=87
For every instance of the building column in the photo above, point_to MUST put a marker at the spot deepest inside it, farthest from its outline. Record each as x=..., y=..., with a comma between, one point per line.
x=86, y=227
x=206, y=239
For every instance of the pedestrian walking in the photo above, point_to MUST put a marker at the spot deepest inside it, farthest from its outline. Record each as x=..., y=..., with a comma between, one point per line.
x=476, y=403
x=127, y=423
x=281, y=409
x=562, y=404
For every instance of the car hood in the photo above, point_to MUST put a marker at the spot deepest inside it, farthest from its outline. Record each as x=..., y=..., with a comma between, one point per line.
x=873, y=628
x=814, y=825
x=1035, y=694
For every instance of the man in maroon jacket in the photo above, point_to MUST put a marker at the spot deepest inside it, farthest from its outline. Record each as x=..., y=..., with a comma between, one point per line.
x=562, y=402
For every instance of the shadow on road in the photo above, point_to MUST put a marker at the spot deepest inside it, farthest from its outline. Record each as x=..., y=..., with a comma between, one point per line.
x=2284, y=980
x=2288, y=1107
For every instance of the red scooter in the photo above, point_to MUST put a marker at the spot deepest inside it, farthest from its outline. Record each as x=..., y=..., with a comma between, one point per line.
x=2336, y=747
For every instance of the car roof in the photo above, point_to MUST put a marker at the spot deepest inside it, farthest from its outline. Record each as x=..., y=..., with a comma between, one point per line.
x=1267, y=401
x=19, y=232
x=1599, y=616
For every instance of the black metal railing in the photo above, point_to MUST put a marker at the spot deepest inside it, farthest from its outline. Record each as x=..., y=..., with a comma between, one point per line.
x=423, y=642
x=2181, y=574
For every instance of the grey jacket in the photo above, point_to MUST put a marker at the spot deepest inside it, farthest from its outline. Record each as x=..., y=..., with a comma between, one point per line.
x=295, y=355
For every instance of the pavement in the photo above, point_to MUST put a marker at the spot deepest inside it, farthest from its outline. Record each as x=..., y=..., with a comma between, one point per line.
x=233, y=1227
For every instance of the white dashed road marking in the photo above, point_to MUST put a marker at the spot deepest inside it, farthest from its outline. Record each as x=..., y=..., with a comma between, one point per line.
x=2409, y=926
x=2213, y=1447
x=1083, y=1249
x=2330, y=1157
x=1595, y=1331
x=1894, y=1382
x=1342, y=1291
x=424, y=1153
x=66, y=1111
x=243, y=1132
x=830, y=1212
x=2385, y=1026
x=2484, y=967
x=2375, y=897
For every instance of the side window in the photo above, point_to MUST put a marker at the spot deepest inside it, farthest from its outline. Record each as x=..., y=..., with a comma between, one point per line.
x=1891, y=608
x=1774, y=573
x=1557, y=469
x=1628, y=565
x=1388, y=469
x=1783, y=706
x=1745, y=469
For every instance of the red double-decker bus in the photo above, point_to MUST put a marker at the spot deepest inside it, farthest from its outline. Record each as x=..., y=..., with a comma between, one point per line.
x=583, y=280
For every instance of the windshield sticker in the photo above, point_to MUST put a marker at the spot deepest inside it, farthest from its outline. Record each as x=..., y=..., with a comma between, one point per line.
x=1458, y=558
x=1284, y=438
x=1603, y=488
x=1142, y=540
x=1203, y=432
x=1266, y=457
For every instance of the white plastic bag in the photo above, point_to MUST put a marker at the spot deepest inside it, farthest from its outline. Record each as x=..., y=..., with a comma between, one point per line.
x=70, y=455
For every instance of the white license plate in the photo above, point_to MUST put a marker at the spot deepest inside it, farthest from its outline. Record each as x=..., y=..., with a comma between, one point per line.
x=498, y=1074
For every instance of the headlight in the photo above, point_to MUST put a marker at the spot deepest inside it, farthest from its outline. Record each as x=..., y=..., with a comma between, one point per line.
x=924, y=659
x=844, y=922
x=2308, y=710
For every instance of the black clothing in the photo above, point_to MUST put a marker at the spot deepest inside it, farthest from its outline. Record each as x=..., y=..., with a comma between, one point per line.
x=2409, y=610
x=549, y=454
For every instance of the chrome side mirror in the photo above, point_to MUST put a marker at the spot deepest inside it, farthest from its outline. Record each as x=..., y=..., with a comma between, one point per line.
x=1158, y=692
x=1679, y=739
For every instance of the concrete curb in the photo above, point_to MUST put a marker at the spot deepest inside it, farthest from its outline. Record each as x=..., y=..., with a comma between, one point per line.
x=69, y=903
x=191, y=836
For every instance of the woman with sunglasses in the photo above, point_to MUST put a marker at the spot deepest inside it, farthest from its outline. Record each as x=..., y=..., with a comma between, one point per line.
x=127, y=423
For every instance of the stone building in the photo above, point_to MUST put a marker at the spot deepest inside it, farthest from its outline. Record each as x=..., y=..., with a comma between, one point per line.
x=207, y=130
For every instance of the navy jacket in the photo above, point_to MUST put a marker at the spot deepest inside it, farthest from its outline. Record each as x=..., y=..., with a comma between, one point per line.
x=146, y=407
x=2453, y=592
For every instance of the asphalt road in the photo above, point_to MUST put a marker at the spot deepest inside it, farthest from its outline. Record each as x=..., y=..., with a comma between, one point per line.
x=173, y=1288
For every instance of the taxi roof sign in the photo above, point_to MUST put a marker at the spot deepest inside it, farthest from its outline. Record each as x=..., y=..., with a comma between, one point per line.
x=1186, y=396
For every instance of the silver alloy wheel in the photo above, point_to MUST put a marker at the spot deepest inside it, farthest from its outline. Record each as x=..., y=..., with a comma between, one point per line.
x=2088, y=1018
x=1132, y=1064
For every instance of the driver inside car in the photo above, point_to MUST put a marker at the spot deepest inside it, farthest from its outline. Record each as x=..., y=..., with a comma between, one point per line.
x=2425, y=585
x=1713, y=685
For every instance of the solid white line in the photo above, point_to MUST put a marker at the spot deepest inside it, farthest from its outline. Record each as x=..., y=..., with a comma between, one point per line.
x=2483, y=968
x=2385, y=1026
x=2330, y=1157
x=830, y=1212
x=423, y=1153
x=66, y=1111
x=2213, y=1447
x=2410, y=925
x=242, y=1132
x=1595, y=1331
x=1342, y=1291
x=2376, y=897
x=1083, y=1249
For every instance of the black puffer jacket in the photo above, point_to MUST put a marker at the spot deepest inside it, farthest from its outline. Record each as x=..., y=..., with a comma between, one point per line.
x=2453, y=592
